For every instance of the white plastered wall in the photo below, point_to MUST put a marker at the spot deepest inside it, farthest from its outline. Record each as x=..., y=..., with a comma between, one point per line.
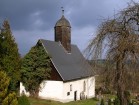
x=52, y=90
x=23, y=90
x=78, y=86
x=49, y=90
x=57, y=90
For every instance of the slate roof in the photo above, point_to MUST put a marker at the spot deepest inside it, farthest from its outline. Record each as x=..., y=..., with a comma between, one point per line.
x=70, y=66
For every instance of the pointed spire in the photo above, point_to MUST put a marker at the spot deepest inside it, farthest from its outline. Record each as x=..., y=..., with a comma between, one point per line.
x=62, y=21
x=62, y=11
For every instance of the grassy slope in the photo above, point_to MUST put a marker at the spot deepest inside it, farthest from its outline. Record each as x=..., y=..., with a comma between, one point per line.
x=48, y=102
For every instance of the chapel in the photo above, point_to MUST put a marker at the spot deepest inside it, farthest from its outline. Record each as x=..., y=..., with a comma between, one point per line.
x=72, y=77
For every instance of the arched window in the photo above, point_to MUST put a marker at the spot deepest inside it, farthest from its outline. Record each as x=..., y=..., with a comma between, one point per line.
x=70, y=87
x=84, y=86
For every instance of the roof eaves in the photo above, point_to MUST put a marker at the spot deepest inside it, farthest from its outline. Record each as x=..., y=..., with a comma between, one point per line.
x=79, y=78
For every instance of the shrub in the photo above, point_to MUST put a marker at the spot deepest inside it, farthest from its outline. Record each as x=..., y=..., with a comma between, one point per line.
x=23, y=100
x=102, y=102
x=10, y=99
x=109, y=102
x=116, y=101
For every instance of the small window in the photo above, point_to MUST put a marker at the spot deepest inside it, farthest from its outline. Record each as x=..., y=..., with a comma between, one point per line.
x=70, y=87
x=68, y=93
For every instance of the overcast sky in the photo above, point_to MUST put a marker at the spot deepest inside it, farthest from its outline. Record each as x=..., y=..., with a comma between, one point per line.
x=31, y=20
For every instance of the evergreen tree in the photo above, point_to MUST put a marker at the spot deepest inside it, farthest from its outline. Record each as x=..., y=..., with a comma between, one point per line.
x=1, y=43
x=6, y=98
x=4, y=83
x=10, y=58
x=35, y=68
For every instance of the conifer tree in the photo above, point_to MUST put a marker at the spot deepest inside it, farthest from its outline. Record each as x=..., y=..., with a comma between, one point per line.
x=36, y=67
x=6, y=98
x=10, y=58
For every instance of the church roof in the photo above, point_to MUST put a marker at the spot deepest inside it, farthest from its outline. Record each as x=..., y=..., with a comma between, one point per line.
x=70, y=66
x=63, y=22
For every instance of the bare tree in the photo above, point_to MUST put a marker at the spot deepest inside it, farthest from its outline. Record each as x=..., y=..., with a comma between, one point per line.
x=119, y=39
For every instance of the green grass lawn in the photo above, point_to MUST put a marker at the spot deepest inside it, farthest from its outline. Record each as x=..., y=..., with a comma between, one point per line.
x=48, y=102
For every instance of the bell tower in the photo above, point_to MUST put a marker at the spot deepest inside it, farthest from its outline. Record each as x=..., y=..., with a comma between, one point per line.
x=63, y=32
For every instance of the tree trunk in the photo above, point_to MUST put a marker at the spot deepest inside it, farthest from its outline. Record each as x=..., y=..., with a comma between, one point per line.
x=121, y=96
x=120, y=83
x=34, y=93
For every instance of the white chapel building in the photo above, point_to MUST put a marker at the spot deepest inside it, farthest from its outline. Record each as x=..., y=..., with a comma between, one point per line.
x=72, y=77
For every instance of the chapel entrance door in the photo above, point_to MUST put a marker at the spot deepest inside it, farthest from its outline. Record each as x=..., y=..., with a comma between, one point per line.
x=75, y=95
